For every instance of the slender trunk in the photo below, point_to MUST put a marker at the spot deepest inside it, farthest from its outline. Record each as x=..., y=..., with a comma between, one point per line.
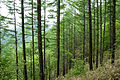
x=23, y=40
x=33, y=44
x=0, y=38
x=110, y=29
x=113, y=31
x=74, y=40
x=49, y=67
x=63, y=50
x=58, y=37
x=84, y=34
x=16, y=40
x=70, y=47
x=97, y=36
x=90, y=36
x=101, y=60
x=104, y=28
x=40, y=40
x=94, y=35
x=67, y=49
x=44, y=34
x=30, y=64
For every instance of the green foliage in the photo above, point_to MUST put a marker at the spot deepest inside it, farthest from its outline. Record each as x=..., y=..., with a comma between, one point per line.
x=78, y=68
x=7, y=65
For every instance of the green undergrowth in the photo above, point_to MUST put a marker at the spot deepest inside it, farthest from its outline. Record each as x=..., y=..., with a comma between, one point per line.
x=106, y=72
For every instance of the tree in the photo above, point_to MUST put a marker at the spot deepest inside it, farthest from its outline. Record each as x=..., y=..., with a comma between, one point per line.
x=113, y=31
x=16, y=40
x=90, y=36
x=110, y=28
x=74, y=38
x=33, y=43
x=94, y=34
x=58, y=36
x=101, y=53
x=0, y=37
x=44, y=30
x=63, y=49
x=84, y=34
x=104, y=28
x=40, y=40
x=23, y=40
x=97, y=36
x=67, y=48
x=70, y=45
x=49, y=68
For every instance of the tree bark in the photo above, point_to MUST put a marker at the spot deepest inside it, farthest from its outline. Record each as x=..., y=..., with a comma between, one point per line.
x=15, y=40
x=63, y=49
x=113, y=31
x=84, y=34
x=101, y=53
x=40, y=40
x=97, y=36
x=44, y=30
x=33, y=44
x=90, y=36
x=94, y=35
x=23, y=40
x=0, y=39
x=104, y=28
x=58, y=37
x=110, y=29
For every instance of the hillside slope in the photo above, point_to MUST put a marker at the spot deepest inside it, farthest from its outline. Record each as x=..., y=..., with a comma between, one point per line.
x=106, y=72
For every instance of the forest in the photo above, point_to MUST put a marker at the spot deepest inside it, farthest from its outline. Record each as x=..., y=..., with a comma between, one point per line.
x=59, y=39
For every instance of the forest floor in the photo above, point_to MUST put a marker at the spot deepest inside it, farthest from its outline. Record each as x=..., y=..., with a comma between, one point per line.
x=106, y=72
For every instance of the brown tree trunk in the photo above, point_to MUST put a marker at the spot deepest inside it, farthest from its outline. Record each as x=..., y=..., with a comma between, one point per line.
x=44, y=35
x=101, y=53
x=63, y=49
x=97, y=36
x=33, y=44
x=23, y=40
x=15, y=40
x=40, y=40
x=58, y=37
x=84, y=34
x=90, y=36
x=113, y=31
x=94, y=35
x=104, y=28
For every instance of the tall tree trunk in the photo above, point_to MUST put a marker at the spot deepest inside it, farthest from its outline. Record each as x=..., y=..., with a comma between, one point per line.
x=110, y=29
x=58, y=37
x=97, y=36
x=84, y=34
x=101, y=60
x=0, y=38
x=74, y=40
x=16, y=40
x=40, y=40
x=30, y=64
x=49, y=68
x=44, y=35
x=67, y=48
x=23, y=40
x=104, y=28
x=113, y=31
x=90, y=36
x=63, y=49
x=94, y=34
x=44, y=29
x=33, y=44
x=70, y=47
